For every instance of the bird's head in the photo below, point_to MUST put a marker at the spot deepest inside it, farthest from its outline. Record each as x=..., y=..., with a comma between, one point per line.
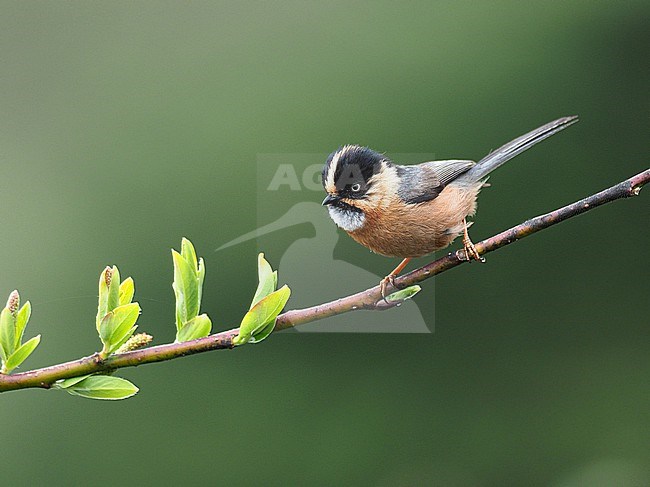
x=354, y=178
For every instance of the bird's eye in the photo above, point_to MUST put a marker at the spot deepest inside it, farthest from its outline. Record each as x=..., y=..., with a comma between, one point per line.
x=356, y=187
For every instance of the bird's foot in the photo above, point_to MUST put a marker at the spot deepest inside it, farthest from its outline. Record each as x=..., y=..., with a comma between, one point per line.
x=390, y=278
x=383, y=285
x=470, y=251
x=468, y=246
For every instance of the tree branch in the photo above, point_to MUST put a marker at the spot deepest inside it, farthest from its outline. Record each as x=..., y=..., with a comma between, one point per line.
x=368, y=299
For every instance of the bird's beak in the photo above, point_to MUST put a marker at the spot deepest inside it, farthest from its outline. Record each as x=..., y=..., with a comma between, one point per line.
x=330, y=199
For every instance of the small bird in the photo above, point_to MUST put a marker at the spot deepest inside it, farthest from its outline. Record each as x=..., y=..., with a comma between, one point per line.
x=411, y=211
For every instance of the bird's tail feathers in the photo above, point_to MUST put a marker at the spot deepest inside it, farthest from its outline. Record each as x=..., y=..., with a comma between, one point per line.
x=503, y=154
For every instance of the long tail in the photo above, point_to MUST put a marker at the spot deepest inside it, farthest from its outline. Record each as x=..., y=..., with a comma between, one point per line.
x=503, y=154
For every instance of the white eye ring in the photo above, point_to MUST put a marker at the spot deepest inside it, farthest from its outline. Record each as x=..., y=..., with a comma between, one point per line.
x=356, y=187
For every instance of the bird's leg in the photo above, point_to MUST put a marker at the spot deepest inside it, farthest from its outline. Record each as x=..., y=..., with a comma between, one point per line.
x=390, y=278
x=470, y=249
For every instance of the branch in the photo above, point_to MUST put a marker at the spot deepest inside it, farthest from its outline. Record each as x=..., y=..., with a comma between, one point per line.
x=368, y=299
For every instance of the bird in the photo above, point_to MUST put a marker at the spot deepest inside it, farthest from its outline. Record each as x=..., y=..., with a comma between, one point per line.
x=409, y=211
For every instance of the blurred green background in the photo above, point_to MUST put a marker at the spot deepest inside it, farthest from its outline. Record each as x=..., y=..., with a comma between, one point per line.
x=127, y=125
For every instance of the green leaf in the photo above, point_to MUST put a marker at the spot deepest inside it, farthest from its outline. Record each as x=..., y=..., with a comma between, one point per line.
x=22, y=318
x=109, y=296
x=261, y=315
x=20, y=355
x=102, y=387
x=114, y=290
x=198, y=327
x=188, y=252
x=7, y=334
x=403, y=294
x=186, y=290
x=127, y=289
x=102, y=306
x=117, y=325
x=267, y=279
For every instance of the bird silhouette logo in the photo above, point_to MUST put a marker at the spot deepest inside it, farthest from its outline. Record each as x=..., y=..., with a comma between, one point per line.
x=315, y=276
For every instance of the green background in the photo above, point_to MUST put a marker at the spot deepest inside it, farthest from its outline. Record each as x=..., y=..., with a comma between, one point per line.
x=127, y=125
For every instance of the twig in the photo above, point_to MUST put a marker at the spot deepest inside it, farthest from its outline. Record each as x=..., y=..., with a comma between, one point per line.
x=368, y=299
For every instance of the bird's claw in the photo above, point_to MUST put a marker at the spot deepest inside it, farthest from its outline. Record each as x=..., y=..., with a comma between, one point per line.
x=389, y=279
x=470, y=251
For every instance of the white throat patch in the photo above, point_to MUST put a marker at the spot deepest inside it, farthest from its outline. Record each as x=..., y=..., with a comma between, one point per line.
x=348, y=220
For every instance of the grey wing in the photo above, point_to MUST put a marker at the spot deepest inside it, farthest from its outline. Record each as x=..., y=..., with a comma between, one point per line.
x=423, y=182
